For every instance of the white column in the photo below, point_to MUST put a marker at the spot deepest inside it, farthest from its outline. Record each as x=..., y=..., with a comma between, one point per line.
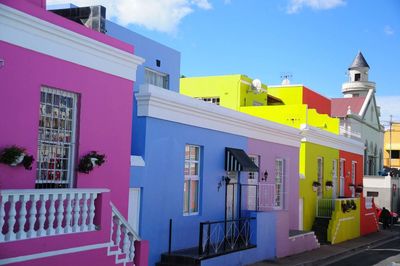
x=2, y=215
x=22, y=217
x=92, y=198
x=51, y=218
x=68, y=213
x=125, y=245
x=84, y=224
x=42, y=215
x=32, y=215
x=60, y=213
x=11, y=219
x=77, y=209
x=118, y=233
x=131, y=248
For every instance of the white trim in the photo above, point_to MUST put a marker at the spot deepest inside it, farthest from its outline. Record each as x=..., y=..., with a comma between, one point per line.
x=159, y=103
x=137, y=161
x=328, y=139
x=53, y=253
x=293, y=238
x=366, y=102
x=338, y=226
x=35, y=34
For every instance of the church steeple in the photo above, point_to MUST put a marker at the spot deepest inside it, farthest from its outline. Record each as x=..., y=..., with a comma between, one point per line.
x=359, y=61
x=358, y=84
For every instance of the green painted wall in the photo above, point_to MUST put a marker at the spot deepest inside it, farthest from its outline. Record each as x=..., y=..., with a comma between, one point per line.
x=344, y=225
x=233, y=90
x=309, y=154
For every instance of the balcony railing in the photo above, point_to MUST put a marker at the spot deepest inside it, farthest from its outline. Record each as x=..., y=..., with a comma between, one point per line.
x=349, y=133
x=226, y=236
x=122, y=238
x=32, y=213
x=325, y=207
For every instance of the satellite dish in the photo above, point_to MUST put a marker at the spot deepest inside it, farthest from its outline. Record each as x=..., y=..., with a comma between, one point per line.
x=256, y=86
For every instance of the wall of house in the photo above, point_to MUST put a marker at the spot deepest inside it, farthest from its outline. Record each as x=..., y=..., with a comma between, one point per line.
x=344, y=225
x=234, y=91
x=103, y=100
x=268, y=153
x=163, y=178
x=368, y=218
x=287, y=245
x=265, y=239
x=316, y=101
x=309, y=153
x=151, y=51
x=349, y=158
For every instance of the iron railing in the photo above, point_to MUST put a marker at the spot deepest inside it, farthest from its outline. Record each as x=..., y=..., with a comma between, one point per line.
x=226, y=236
x=325, y=207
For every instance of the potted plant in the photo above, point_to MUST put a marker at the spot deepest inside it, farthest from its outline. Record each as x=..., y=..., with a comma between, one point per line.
x=328, y=185
x=89, y=161
x=14, y=156
x=316, y=185
x=359, y=188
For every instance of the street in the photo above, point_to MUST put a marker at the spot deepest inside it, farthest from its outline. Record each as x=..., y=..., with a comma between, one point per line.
x=378, y=255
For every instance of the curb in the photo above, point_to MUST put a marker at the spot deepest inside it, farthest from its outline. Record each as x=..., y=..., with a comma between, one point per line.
x=334, y=257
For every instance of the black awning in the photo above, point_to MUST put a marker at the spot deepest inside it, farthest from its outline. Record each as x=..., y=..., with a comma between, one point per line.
x=237, y=160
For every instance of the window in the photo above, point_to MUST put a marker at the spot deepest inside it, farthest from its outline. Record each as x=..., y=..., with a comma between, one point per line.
x=56, y=146
x=357, y=77
x=156, y=78
x=395, y=154
x=192, y=180
x=279, y=182
x=372, y=194
x=214, y=100
x=256, y=161
x=320, y=175
x=353, y=177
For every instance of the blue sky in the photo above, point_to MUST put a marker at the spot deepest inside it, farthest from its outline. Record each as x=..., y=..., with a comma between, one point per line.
x=313, y=40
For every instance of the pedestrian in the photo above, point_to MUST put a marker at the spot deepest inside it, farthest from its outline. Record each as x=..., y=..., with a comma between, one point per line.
x=385, y=215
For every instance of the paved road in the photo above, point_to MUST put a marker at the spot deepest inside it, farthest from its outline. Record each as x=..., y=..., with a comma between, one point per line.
x=373, y=256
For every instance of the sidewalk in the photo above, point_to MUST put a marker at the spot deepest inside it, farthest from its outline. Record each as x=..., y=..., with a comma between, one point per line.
x=327, y=253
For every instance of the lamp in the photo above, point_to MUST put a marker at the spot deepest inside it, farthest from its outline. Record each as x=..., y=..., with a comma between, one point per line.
x=265, y=176
x=224, y=179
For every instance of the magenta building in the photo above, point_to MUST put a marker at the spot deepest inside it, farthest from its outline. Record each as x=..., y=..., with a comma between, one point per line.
x=66, y=91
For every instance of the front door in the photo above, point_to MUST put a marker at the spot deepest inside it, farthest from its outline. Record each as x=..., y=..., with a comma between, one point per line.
x=231, y=197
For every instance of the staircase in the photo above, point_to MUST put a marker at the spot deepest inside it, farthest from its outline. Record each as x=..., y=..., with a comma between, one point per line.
x=320, y=228
x=180, y=258
x=122, y=239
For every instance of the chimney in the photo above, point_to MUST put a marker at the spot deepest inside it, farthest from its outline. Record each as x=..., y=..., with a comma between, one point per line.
x=93, y=17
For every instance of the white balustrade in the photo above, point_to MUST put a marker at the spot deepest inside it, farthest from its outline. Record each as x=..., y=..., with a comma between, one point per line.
x=30, y=213
x=123, y=241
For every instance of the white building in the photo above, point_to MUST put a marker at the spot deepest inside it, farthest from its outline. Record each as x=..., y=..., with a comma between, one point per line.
x=359, y=115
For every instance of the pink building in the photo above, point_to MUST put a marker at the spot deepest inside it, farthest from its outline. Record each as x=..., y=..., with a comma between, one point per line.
x=65, y=91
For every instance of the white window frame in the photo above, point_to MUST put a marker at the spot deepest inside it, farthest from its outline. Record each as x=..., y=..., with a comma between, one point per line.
x=353, y=178
x=189, y=178
x=254, y=175
x=320, y=176
x=342, y=174
x=164, y=76
x=45, y=165
x=279, y=182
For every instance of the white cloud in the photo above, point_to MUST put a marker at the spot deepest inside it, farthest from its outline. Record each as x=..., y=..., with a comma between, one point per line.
x=389, y=106
x=296, y=5
x=388, y=30
x=159, y=15
x=227, y=2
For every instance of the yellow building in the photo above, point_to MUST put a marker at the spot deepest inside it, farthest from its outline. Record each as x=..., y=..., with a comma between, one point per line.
x=392, y=146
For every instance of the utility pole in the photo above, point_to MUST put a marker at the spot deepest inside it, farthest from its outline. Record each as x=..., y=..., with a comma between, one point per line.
x=390, y=142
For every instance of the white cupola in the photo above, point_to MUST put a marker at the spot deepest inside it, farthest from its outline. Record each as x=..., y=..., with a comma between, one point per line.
x=358, y=84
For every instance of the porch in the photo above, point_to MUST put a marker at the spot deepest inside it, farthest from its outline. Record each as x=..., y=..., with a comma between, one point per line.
x=63, y=221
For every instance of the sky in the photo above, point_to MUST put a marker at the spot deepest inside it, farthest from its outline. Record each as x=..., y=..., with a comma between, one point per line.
x=314, y=41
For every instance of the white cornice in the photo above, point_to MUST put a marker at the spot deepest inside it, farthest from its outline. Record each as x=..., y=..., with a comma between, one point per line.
x=159, y=103
x=327, y=139
x=35, y=34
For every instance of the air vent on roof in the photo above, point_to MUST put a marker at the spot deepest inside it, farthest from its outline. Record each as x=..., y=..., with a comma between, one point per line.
x=93, y=17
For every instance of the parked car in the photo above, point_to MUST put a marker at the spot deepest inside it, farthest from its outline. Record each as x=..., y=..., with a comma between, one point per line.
x=394, y=215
